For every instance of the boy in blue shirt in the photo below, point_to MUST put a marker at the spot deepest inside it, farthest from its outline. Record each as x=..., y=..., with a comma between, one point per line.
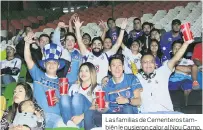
x=44, y=81
x=122, y=94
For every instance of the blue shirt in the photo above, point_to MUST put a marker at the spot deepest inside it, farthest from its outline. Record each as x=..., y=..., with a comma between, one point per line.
x=166, y=42
x=134, y=35
x=114, y=36
x=40, y=86
x=76, y=60
x=159, y=61
x=126, y=88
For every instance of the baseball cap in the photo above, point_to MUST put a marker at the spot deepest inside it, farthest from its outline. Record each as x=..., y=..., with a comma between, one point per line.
x=176, y=21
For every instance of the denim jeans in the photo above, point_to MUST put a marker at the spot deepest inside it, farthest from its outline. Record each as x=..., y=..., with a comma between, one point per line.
x=80, y=104
x=93, y=118
x=53, y=120
x=73, y=106
x=199, y=78
x=65, y=107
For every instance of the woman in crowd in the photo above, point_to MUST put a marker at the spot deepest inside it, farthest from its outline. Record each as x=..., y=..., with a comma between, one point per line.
x=156, y=52
x=22, y=92
x=83, y=94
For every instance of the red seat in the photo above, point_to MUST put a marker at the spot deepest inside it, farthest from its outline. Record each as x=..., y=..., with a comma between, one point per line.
x=25, y=22
x=40, y=18
x=33, y=19
x=41, y=28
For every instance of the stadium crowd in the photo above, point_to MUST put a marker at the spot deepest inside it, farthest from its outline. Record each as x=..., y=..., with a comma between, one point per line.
x=136, y=71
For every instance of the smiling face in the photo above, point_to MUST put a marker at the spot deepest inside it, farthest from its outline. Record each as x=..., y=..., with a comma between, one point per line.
x=135, y=46
x=116, y=68
x=51, y=66
x=155, y=35
x=154, y=47
x=70, y=42
x=148, y=64
x=85, y=73
x=97, y=46
x=19, y=94
x=10, y=51
x=43, y=41
x=86, y=40
x=107, y=43
x=176, y=47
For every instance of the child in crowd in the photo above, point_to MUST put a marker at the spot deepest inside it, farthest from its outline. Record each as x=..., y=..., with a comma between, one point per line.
x=83, y=94
x=27, y=115
x=132, y=55
x=156, y=51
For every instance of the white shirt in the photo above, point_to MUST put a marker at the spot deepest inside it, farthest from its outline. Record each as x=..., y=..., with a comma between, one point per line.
x=186, y=62
x=101, y=63
x=76, y=88
x=16, y=62
x=155, y=96
x=130, y=57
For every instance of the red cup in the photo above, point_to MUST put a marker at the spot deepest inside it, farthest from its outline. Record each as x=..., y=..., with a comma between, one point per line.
x=50, y=95
x=187, y=33
x=100, y=99
x=63, y=86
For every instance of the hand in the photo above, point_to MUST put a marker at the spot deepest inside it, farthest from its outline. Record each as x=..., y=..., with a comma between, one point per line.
x=62, y=25
x=77, y=119
x=73, y=16
x=77, y=22
x=29, y=39
x=103, y=110
x=19, y=127
x=102, y=25
x=124, y=23
x=121, y=100
x=55, y=99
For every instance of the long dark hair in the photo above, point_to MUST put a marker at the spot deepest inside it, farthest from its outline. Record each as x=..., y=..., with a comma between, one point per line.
x=159, y=52
x=93, y=74
x=28, y=96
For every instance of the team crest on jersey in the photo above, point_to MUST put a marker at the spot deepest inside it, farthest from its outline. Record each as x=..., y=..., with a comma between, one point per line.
x=97, y=68
x=127, y=94
x=76, y=57
x=169, y=39
x=164, y=48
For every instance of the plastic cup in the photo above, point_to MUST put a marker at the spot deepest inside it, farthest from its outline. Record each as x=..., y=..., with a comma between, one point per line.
x=50, y=95
x=63, y=86
x=100, y=99
x=187, y=33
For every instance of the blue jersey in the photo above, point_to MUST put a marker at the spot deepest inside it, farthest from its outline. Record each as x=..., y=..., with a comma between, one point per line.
x=72, y=74
x=159, y=61
x=125, y=89
x=134, y=34
x=166, y=42
x=40, y=86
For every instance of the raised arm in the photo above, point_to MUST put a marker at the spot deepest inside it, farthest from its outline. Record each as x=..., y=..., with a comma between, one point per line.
x=119, y=41
x=178, y=55
x=27, y=54
x=16, y=40
x=82, y=46
x=70, y=22
x=104, y=29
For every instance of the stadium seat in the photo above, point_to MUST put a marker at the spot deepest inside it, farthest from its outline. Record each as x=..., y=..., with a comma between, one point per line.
x=37, y=34
x=48, y=30
x=4, y=33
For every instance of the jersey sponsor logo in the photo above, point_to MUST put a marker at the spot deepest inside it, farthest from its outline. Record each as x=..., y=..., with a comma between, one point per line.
x=97, y=68
x=76, y=57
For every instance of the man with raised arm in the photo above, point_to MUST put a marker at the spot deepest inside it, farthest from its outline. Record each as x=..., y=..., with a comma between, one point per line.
x=97, y=56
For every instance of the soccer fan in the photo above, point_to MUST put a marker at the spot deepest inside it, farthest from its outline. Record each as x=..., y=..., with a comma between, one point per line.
x=97, y=56
x=10, y=67
x=155, y=34
x=132, y=56
x=43, y=81
x=155, y=50
x=155, y=96
x=169, y=37
x=137, y=31
x=107, y=44
x=145, y=38
x=122, y=94
x=114, y=32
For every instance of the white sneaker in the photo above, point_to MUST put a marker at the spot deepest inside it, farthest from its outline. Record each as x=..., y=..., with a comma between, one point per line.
x=71, y=124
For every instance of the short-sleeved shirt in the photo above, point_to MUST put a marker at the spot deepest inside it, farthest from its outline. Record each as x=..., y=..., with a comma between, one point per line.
x=101, y=63
x=42, y=83
x=76, y=88
x=134, y=35
x=16, y=62
x=197, y=53
x=76, y=60
x=166, y=42
x=130, y=57
x=125, y=88
x=155, y=95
